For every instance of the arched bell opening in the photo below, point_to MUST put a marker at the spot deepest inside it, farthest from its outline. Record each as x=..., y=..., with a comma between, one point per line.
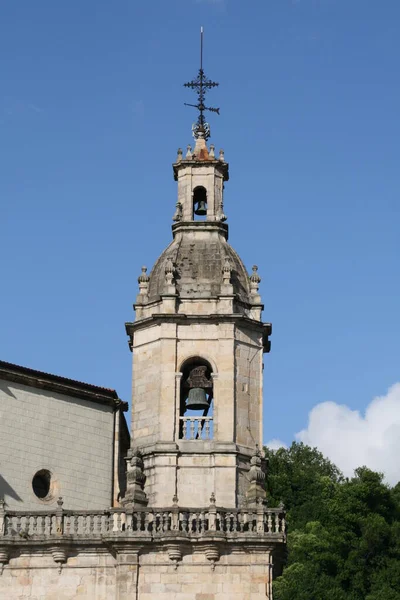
x=199, y=203
x=196, y=401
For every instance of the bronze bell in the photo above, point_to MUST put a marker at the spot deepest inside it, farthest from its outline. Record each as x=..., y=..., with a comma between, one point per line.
x=197, y=399
x=201, y=209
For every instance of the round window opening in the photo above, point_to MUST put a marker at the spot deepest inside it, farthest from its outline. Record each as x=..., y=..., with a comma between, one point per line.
x=41, y=484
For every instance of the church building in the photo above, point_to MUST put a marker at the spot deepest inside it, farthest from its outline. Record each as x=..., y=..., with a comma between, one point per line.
x=176, y=510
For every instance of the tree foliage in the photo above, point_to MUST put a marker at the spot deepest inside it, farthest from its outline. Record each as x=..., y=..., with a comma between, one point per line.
x=344, y=534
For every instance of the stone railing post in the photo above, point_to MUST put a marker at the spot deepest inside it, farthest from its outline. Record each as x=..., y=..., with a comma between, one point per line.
x=59, y=517
x=2, y=517
x=260, y=516
x=175, y=514
x=212, y=514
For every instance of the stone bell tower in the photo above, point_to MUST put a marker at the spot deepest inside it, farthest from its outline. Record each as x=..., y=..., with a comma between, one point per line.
x=197, y=342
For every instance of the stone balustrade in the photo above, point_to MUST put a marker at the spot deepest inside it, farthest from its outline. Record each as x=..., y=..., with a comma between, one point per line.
x=196, y=428
x=193, y=523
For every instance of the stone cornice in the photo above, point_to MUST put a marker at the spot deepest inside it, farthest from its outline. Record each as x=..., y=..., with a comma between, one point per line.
x=181, y=319
x=221, y=166
x=221, y=228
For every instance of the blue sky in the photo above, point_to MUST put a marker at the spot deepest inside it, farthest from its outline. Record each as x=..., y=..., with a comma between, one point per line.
x=91, y=115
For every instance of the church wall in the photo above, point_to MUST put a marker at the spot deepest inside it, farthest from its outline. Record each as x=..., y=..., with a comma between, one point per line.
x=237, y=576
x=90, y=575
x=70, y=437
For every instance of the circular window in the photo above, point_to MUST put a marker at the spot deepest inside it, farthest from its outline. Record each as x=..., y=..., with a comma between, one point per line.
x=41, y=484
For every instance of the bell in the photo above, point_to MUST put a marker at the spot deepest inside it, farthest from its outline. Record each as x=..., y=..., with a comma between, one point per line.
x=197, y=399
x=201, y=209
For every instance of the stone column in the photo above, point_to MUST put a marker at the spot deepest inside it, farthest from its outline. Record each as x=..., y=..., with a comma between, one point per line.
x=127, y=573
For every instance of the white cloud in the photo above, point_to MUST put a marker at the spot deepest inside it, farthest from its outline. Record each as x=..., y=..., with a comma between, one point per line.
x=275, y=444
x=351, y=439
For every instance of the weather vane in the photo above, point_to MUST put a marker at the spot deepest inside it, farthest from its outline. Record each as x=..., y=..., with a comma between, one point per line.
x=201, y=84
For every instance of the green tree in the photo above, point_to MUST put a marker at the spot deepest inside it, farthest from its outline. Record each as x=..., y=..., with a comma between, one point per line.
x=344, y=534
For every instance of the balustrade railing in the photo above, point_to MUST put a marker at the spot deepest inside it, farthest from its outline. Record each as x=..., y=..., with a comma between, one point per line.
x=152, y=522
x=196, y=428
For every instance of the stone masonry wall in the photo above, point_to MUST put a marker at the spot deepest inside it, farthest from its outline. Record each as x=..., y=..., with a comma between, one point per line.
x=97, y=575
x=248, y=383
x=71, y=438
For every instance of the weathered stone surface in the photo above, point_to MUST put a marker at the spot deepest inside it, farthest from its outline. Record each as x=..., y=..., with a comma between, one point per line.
x=141, y=574
x=70, y=437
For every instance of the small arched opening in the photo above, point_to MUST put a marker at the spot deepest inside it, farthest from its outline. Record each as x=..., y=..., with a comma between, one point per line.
x=199, y=203
x=196, y=401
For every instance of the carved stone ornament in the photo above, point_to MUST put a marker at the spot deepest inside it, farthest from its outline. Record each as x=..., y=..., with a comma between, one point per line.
x=136, y=473
x=227, y=271
x=59, y=556
x=178, y=212
x=3, y=559
x=256, y=493
x=212, y=554
x=174, y=553
x=221, y=216
x=255, y=280
x=169, y=271
x=143, y=281
x=256, y=473
x=136, y=479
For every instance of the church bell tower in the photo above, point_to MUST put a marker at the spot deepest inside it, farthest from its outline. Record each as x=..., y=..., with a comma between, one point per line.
x=198, y=342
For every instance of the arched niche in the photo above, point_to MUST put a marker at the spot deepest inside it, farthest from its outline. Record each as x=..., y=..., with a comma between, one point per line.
x=199, y=203
x=196, y=400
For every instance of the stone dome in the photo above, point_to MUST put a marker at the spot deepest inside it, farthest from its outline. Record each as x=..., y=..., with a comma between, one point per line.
x=198, y=262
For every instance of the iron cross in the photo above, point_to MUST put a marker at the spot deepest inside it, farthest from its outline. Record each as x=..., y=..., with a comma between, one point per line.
x=201, y=84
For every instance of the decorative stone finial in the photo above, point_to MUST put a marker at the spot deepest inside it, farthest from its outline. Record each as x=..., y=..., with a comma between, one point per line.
x=256, y=473
x=221, y=156
x=135, y=480
x=256, y=493
x=143, y=281
x=220, y=212
x=212, y=499
x=226, y=271
x=179, y=157
x=189, y=152
x=255, y=280
x=60, y=502
x=212, y=151
x=178, y=212
x=143, y=278
x=175, y=500
x=169, y=271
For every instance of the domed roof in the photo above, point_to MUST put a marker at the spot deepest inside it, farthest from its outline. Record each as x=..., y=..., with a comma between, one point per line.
x=199, y=262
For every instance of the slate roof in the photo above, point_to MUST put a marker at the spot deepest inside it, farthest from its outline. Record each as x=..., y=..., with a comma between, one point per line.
x=62, y=385
x=199, y=266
